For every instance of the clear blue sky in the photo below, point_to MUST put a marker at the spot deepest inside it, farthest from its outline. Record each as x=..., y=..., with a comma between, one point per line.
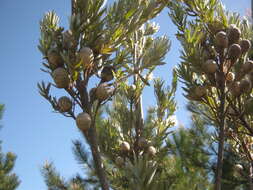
x=30, y=129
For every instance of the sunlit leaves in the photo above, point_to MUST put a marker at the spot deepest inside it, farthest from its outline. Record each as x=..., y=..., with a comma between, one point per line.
x=157, y=51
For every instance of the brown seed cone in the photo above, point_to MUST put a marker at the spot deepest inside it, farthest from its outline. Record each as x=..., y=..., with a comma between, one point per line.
x=210, y=66
x=245, y=86
x=142, y=142
x=119, y=161
x=193, y=98
x=54, y=60
x=65, y=104
x=151, y=151
x=99, y=44
x=245, y=45
x=86, y=55
x=61, y=78
x=221, y=39
x=215, y=26
x=83, y=121
x=107, y=73
x=68, y=41
x=235, y=89
x=103, y=92
x=230, y=77
x=234, y=52
x=234, y=34
x=125, y=147
x=247, y=67
x=200, y=91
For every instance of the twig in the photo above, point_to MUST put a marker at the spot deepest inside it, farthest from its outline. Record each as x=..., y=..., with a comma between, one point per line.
x=222, y=118
x=95, y=152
